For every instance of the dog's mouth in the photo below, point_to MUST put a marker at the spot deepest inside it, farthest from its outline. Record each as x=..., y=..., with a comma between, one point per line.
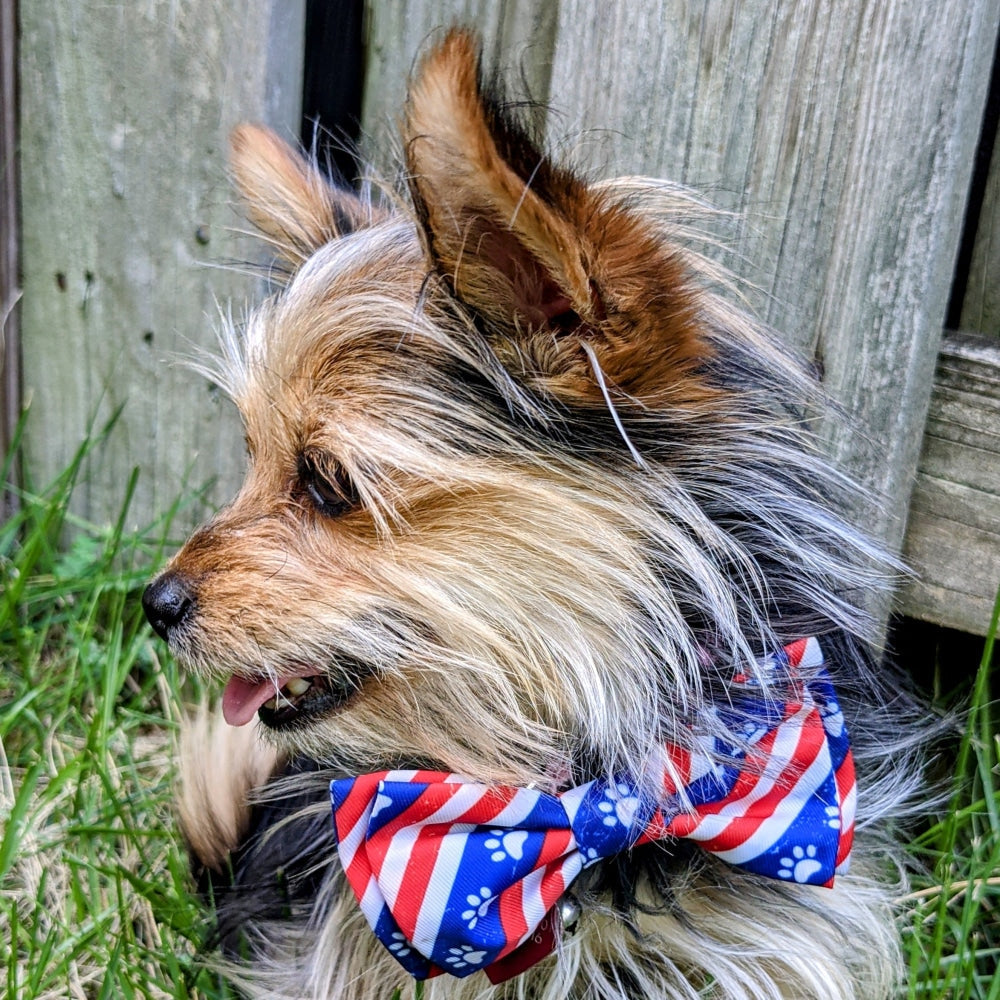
x=292, y=699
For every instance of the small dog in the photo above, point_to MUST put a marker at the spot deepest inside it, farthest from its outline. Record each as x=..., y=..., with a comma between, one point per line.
x=536, y=567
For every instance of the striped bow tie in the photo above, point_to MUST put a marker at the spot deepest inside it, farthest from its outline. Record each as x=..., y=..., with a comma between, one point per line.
x=455, y=876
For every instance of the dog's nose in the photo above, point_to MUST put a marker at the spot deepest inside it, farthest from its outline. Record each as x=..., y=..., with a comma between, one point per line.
x=167, y=601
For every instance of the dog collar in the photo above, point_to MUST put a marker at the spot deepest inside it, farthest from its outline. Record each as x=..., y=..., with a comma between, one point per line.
x=455, y=876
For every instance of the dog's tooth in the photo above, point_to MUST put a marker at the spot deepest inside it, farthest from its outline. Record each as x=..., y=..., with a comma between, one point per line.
x=297, y=686
x=271, y=705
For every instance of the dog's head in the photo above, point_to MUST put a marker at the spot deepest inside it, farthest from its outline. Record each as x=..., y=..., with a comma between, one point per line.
x=520, y=487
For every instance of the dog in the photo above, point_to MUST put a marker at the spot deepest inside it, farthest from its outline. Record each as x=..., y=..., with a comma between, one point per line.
x=536, y=569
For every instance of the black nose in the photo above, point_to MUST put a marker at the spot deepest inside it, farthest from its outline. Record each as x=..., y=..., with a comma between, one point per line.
x=167, y=601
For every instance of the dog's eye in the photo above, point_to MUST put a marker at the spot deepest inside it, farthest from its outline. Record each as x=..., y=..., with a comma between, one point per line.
x=328, y=487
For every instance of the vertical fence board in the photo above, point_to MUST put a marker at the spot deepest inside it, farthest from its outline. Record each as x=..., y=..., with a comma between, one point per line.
x=517, y=35
x=10, y=383
x=845, y=132
x=849, y=180
x=125, y=114
x=802, y=117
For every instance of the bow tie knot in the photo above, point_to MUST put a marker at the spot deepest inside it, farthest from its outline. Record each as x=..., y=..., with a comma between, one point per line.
x=455, y=876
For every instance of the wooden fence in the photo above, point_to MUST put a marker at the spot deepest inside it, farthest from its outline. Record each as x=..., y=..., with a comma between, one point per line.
x=843, y=132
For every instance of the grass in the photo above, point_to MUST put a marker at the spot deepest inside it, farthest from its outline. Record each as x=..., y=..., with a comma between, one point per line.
x=952, y=927
x=94, y=894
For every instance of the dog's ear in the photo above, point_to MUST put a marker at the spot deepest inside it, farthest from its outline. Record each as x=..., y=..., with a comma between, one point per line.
x=287, y=198
x=573, y=286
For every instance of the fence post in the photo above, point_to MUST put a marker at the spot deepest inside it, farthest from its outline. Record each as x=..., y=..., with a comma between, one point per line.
x=125, y=111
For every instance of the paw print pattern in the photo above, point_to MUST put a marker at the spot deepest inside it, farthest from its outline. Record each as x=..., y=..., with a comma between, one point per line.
x=833, y=718
x=478, y=904
x=399, y=946
x=464, y=956
x=801, y=865
x=506, y=845
x=751, y=732
x=832, y=817
x=620, y=805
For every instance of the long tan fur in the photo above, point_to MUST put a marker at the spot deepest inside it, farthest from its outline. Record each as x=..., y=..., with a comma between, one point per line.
x=523, y=490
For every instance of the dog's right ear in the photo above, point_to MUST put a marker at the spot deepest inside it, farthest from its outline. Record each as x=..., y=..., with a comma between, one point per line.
x=288, y=199
x=573, y=288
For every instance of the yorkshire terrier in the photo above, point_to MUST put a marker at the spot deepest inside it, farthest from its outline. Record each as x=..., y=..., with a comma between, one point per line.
x=538, y=580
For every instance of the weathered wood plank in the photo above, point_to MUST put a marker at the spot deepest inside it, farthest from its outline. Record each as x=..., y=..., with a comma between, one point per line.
x=517, y=35
x=125, y=114
x=10, y=386
x=953, y=536
x=803, y=117
x=845, y=134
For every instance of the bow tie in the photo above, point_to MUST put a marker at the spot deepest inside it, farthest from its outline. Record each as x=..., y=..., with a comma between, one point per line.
x=454, y=876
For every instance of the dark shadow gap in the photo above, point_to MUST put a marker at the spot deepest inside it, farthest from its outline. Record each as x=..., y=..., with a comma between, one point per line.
x=333, y=82
x=977, y=194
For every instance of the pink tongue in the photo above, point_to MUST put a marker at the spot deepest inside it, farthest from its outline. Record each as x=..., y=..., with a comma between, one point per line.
x=242, y=698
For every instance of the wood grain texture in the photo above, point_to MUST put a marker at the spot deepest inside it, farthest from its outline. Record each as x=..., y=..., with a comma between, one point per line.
x=953, y=538
x=10, y=374
x=517, y=35
x=125, y=114
x=981, y=303
x=844, y=133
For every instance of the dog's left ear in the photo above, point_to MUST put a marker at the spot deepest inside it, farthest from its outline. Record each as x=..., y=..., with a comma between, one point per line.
x=563, y=276
x=287, y=197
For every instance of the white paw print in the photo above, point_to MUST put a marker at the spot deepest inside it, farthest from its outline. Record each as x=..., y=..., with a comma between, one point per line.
x=833, y=718
x=801, y=864
x=752, y=732
x=832, y=817
x=507, y=845
x=619, y=805
x=399, y=946
x=459, y=958
x=479, y=905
